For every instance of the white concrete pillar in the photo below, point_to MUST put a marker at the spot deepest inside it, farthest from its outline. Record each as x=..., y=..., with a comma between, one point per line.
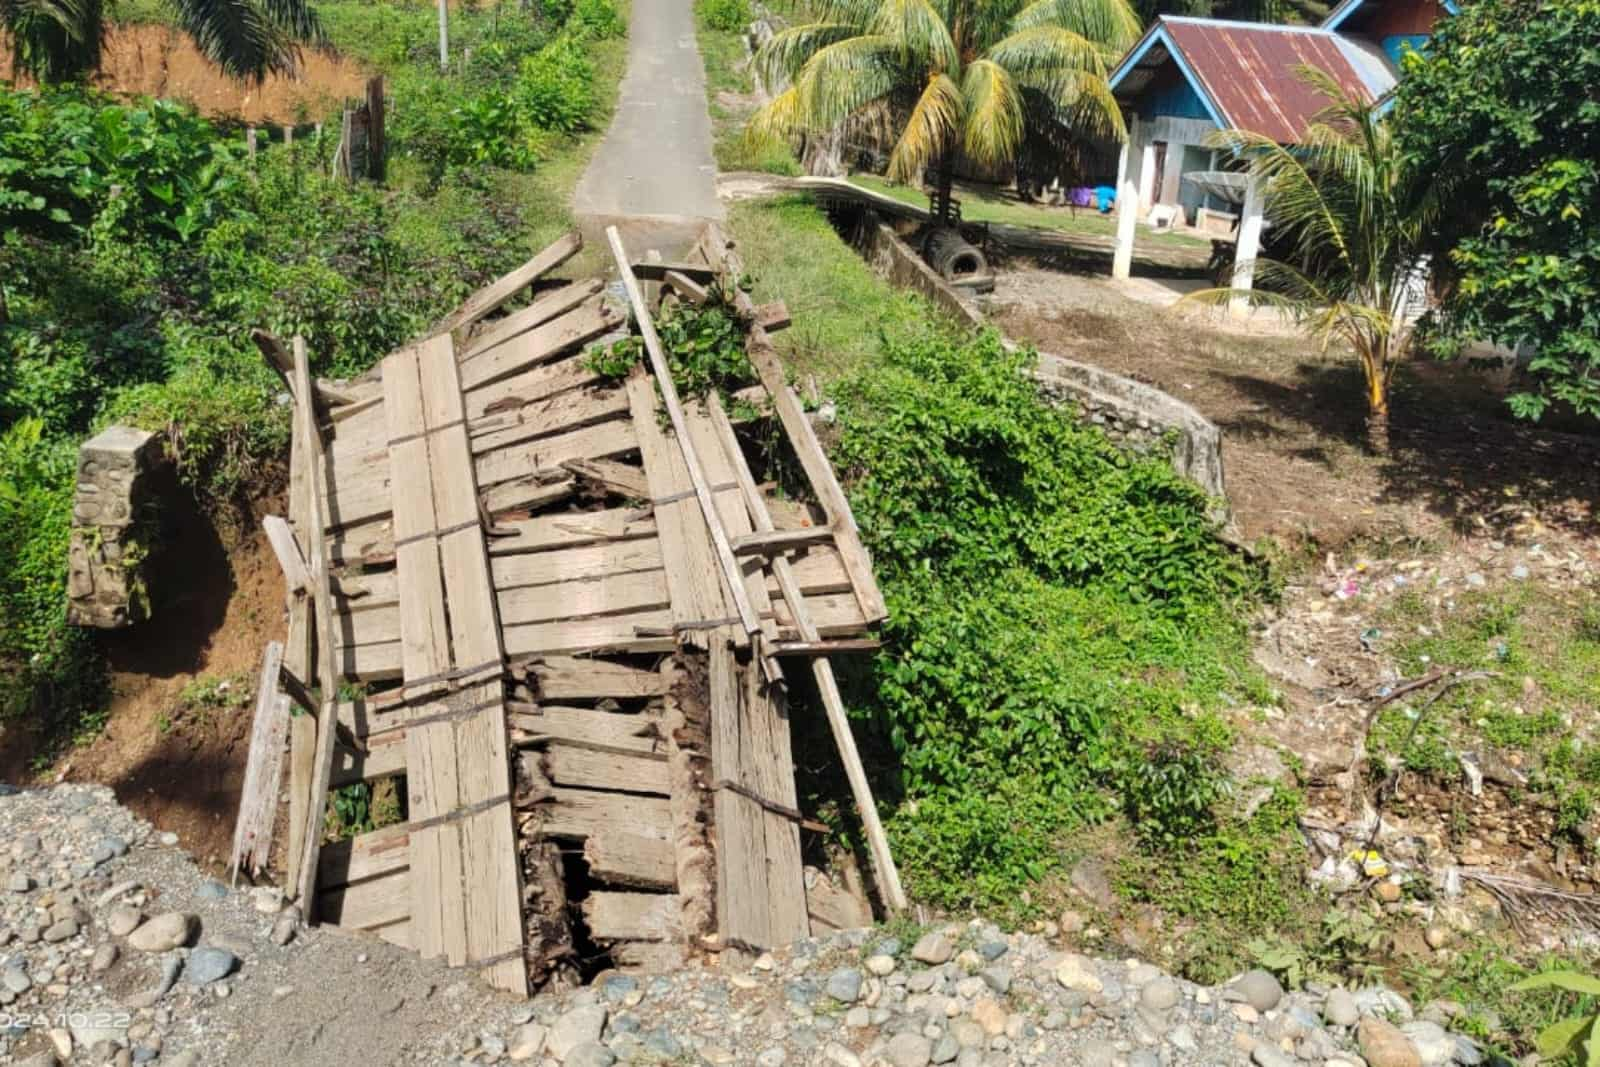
x=1127, y=202
x=1247, y=246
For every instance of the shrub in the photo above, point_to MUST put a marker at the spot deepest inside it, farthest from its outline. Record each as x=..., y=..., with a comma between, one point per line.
x=729, y=16
x=596, y=20
x=1057, y=609
x=556, y=88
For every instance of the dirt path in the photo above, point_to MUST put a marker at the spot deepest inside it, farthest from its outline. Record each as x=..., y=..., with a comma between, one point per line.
x=655, y=161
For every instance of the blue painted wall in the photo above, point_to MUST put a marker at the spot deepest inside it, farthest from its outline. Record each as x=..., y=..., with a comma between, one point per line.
x=1176, y=101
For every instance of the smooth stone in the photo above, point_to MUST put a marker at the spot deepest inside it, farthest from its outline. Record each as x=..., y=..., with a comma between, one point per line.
x=844, y=985
x=61, y=931
x=577, y=1027
x=1259, y=989
x=909, y=1050
x=1340, y=1008
x=104, y=957
x=1159, y=995
x=945, y=1049
x=19, y=883
x=209, y=964
x=933, y=949
x=880, y=965
x=123, y=920
x=1384, y=1045
x=991, y=1015
x=1077, y=973
x=590, y=1054
x=1433, y=1044
x=1264, y=1055
x=163, y=933
x=16, y=980
x=840, y=1056
x=997, y=979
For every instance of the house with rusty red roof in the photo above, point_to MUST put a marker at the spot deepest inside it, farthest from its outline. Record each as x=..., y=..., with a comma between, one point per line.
x=1186, y=78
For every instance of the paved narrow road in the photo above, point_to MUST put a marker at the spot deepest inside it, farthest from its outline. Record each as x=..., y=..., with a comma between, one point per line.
x=655, y=165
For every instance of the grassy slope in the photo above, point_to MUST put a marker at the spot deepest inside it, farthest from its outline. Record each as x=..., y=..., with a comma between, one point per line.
x=839, y=307
x=730, y=89
x=978, y=205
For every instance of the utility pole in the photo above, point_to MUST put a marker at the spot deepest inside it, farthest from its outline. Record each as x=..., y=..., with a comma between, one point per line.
x=444, y=37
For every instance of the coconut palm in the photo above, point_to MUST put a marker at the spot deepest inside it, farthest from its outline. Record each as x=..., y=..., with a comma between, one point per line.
x=57, y=40
x=1352, y=214
x=972, y=76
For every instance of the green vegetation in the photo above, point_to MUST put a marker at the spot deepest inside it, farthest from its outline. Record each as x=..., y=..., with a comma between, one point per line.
x=1539, y=690
x=731, y=97
x=1501, y=104
x=140, y=245
x=1353, y=213
x=245, y=38
x=1003, y=83
x=980, y=204
x=841, y=310
x=704, y=347
x=1054, y=605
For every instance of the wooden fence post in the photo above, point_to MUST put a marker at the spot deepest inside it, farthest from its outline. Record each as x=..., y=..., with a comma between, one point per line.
x=250, y=141
x=377, y=145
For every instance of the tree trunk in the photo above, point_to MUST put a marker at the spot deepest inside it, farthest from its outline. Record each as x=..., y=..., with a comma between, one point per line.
x=942, y=214
x=1377, y=419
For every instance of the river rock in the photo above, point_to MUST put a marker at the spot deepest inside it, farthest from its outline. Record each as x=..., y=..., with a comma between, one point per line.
x=163, y=933
x=909, y=1050
x=1259, y=989
x=932, y=949
x=209, y=964
x=1384, y=1045
x=1340, y=1008
x=577, y=1027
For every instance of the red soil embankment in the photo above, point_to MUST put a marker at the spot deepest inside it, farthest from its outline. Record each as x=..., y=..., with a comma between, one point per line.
x=159, y=61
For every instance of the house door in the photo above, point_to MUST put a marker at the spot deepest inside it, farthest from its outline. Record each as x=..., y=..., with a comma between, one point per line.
x=1159, y=184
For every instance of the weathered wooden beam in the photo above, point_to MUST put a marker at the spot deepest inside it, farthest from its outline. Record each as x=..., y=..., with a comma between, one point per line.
x=502, y=289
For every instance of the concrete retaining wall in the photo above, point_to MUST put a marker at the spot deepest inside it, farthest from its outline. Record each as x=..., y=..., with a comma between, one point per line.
x=1134, y=415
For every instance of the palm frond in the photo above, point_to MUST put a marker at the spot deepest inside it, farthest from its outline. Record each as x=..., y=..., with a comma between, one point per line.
x=844, y=77
x=53, y=40
x=1083, y=101
x=785, y=52
x=1109, y=22
x=777, y=120
x=298, y=19
x=994, y=114
x=857, y=14
x=1045, y=50
x=930, y=131
x=919, y=32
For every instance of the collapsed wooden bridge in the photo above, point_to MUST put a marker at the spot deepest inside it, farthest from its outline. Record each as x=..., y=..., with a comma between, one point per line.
x=561, y=607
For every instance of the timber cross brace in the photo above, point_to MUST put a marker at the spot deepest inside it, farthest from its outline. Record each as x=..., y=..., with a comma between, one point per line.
x=557, y=608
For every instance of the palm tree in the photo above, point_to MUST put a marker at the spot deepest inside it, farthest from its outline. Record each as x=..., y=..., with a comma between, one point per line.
x=1354, y=214
x=57, y=40
x=973, y=76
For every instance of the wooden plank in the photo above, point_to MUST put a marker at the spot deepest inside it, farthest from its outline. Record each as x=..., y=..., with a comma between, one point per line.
x=822, y=671
x=686, y=287
x=742, y=885
x=582, y=813
x=322, y=602
x=602, y=441
x=593, y=769
x=423, y=633
x=369, y=855
x=652, y=270
x=832, y=907
x=769, y=769
x=436, y=906
x=735, y=520
x=587, y=598
x=541, y=344
x=625, y=479
x=591, y=727
x=571, y=529
x=696, y=586
x=802, y=437
x=385, y=757
x=649, y=957
x=542, y=310
x=641, y=632
x=258, y=798
x=620, y=858
x=366, y=905
x=569, y=564
x=527, y=494
x=632, y=916
x=548, y=380
x=501, y=290
x=564, y=678
x=290, y=561
x=298, y=657
x=542, y=418
x=486, y=877
x=772, y=542
x=691, y=459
